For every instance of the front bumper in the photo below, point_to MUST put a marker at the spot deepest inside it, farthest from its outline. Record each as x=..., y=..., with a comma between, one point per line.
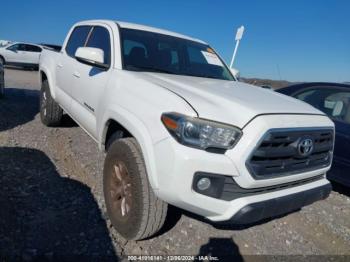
x=254, y=212
x=177, y=165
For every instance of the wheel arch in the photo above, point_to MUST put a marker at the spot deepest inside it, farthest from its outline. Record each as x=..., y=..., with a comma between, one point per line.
x=45, y=75
x=132, y=127
x=3, y=58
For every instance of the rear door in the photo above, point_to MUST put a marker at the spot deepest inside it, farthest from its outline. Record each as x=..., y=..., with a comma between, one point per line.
x=66, y=65
x=22, y=57
x=32, y=54
x=90, y=81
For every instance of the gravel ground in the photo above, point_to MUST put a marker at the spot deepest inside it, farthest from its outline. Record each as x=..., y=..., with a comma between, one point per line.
x=52, y=204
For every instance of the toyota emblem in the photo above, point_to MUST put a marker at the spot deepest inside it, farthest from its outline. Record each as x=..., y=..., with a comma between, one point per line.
x=305, y=147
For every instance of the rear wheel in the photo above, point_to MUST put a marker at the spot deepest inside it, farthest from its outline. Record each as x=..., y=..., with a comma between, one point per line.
x=50, y=111
x=133, y=208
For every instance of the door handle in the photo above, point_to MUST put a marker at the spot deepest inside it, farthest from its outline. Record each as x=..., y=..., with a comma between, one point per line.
x=59, y=65
x=76, y=74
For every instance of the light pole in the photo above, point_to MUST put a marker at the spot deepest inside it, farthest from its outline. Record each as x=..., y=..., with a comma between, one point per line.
x=239, y=36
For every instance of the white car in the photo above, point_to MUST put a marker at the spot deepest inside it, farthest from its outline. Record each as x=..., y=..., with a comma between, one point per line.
x=4, y=43
x=21, y=54
x=179, y=129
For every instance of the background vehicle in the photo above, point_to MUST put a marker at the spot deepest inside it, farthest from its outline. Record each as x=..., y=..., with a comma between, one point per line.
x=2, y=80
x=4, y=43
x=178, y=128
x=21, y=54
x=267, y=87
x=51, y=46
x=334, y=100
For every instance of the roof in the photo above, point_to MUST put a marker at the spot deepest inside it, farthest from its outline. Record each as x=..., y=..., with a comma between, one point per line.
x=143, y=27
x=156, y=30
x=310, y=84
x=296, y=87
x=139, y=27
x=24, y=43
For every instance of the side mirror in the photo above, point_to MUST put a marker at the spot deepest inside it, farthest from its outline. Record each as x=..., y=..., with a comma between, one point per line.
x=235, y=73
x=91, y=56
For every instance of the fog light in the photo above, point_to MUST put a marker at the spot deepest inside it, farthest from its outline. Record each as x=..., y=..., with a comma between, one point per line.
x=203, y=183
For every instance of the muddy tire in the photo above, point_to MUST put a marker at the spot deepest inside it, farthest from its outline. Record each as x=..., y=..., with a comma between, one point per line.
x=133, y=208
x=50, y=112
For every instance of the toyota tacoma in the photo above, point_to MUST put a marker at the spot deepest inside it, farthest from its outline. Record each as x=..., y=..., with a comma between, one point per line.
x=178, y=128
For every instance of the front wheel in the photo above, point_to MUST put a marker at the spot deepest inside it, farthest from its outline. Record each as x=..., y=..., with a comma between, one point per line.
x=50, y=111
x=133, y=208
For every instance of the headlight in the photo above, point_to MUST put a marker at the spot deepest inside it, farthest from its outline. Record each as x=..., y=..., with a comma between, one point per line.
x=200, y=133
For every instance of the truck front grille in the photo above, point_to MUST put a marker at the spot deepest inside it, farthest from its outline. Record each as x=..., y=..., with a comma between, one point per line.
x=285, y=152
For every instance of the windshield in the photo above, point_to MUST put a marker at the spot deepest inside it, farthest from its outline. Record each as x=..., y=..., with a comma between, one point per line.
x=153, y=52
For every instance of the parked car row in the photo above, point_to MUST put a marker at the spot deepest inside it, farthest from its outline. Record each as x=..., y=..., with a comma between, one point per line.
x=21, y=54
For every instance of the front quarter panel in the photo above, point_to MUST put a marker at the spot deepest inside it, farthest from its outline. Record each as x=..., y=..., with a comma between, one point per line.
x=47, y=66
x=138, y=105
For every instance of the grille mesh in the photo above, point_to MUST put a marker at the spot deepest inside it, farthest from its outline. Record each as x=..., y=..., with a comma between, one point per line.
x=277, y=154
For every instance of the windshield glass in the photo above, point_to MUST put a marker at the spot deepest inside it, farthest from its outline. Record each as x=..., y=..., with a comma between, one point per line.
x=153, y=52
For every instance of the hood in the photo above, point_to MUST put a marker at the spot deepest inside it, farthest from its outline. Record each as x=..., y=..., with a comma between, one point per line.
x=230, y=102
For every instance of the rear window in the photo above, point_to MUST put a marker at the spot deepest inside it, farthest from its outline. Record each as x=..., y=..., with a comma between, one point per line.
x=33, y=48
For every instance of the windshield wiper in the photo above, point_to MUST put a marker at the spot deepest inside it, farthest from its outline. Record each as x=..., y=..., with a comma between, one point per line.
x=160, y=70
x=150, y=69
x=205, y=76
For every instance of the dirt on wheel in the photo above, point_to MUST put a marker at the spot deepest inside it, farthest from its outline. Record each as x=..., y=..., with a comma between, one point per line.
x=52, y=203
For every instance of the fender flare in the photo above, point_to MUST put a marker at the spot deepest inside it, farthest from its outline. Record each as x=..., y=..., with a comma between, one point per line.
x=49, y=79
x=138, y=130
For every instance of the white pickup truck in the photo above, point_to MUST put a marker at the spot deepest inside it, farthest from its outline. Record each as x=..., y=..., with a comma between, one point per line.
x=179, y=129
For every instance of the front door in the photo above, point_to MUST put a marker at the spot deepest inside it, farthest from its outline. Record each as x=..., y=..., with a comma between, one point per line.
x=14, y=54
x=90, y=81
x=66, y=65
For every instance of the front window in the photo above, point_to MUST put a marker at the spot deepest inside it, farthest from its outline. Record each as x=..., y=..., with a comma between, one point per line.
x=153, y=52
x=99, y=38
x=333, y=101
x=13, y=47
x=77, y=39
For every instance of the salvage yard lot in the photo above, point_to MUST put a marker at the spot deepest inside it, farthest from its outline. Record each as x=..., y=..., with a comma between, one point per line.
x=52, y=202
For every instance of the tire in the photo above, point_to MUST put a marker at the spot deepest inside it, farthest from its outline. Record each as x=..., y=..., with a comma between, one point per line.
x=50, y=111
x=133, y=208
x=2, y=60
